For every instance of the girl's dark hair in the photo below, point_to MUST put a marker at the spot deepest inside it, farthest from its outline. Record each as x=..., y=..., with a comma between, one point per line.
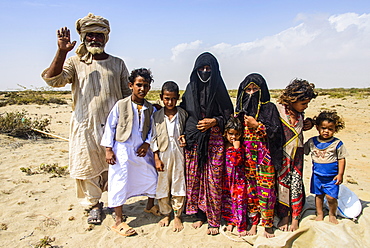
x=170, y=86
x=234, y=123
x=330, y=116
x=141, y=72
x=297, y=90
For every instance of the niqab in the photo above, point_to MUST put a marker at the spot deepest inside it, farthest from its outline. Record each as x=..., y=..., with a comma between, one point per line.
x=258, y=105
x=205, y=100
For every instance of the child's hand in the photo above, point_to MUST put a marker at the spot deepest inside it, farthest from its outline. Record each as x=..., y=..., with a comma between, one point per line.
x=143, y=149
x=110, y=157
x=339, y=179
x=307, y=124
x=182, y=141
x=236, y=144
x=250, y=121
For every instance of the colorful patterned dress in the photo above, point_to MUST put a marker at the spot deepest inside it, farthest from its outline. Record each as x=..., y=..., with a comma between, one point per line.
x=204, y=185
x=234, y=197
x=260, y=176
x=291, y=195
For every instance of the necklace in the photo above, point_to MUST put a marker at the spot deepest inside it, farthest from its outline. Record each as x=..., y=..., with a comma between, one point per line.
x=139, y=108
x=291, y=113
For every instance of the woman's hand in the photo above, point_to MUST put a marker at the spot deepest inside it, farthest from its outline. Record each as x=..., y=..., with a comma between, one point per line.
x=250, y=121
x=206, y=123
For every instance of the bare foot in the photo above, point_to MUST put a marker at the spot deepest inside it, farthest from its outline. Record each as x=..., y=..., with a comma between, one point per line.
x=333, y=219
x=283, y=224
x=229, y=228
x=197, y=224
x=243, y=233
x=165, y=221
x=177, y=224
x=252, y=231
x=213, y=231
x=294, y=225
x=319, y=217
x=269, y=232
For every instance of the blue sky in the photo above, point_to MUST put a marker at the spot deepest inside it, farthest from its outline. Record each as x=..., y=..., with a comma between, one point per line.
x=325, y=42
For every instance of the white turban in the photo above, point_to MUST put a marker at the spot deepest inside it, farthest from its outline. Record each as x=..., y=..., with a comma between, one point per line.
x=90, y=24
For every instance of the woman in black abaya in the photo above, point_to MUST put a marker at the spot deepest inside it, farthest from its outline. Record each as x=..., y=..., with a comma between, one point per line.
x=209, y=106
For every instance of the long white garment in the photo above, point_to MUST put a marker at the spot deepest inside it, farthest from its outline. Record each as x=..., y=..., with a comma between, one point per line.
x=131, y=175
x=96, y=87
x=172, y=179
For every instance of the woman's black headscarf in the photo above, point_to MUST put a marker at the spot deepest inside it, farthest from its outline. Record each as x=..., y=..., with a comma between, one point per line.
x=259, y=106
x=205, y=100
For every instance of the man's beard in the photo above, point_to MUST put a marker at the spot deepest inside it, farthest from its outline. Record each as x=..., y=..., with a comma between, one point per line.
x=95, y=49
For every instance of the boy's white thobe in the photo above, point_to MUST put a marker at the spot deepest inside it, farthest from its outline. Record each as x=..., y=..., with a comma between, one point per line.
x=131, y=175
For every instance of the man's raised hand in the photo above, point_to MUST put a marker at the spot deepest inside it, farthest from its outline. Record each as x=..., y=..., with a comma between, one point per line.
x=64, y=40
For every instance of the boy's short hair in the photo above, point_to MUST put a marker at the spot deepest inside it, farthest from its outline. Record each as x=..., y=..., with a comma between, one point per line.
x=141, y=72
x=330, y=116
x=234, y=123
x=297, y=90
x=170, y=86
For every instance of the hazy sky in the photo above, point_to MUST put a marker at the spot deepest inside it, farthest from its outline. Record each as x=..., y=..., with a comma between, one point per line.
x=325, y=42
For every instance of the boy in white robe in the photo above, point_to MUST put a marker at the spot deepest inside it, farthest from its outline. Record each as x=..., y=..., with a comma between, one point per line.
x=127, y=140
x=167, y=145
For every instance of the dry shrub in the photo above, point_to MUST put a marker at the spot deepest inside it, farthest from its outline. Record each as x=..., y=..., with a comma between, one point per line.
x=41, y=96
x=17, y=124
x=54, y=169
x=45, y=242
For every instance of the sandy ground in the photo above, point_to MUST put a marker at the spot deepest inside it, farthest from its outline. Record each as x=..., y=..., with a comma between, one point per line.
x=32, y=207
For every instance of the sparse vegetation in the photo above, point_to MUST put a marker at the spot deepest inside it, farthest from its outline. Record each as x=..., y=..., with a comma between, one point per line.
x=3, y=226
x=54, y=169
x=39, y=96
x=45, y=242
x=18, y=124
x=47, y=95
x=233, y=93
x=342, y=92
x=153, y=95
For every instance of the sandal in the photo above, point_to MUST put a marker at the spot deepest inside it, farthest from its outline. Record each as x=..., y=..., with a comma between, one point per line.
x=124, y=229
x=154, y=210
x=95, y=215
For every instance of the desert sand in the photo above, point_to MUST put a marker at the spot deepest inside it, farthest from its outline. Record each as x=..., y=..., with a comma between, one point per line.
x=35, y=206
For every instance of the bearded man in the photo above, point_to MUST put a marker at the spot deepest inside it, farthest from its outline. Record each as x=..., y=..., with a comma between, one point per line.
x=97, y=80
